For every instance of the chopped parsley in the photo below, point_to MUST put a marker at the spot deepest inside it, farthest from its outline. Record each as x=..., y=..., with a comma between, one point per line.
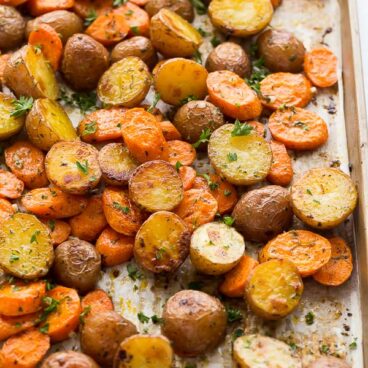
x=237, y=333
x=203, y=138
x=227, y=193
x=232, y=156
x=156, y=98
x=178, y=165
x=82, y=167
x=90, y=128
x=133, y=272
x=199, y=6
x=212, y=184
x=353, y=345
x=85, y=101
x=121, y=208
x=324, y=349
x=156, y=320
x=84, y=313
x=259, y=72
x=233, y=314
x=309, y=318
x=21, y=106
x=44, y=329
x=228, y=220
x=143, y=318
x=90, y=18
x=34, y=236
x=215, y=41
x=302, y=125
x=135, y=30
x=202, y=32
x=197, y=57
x=309, y=192
x=51, y=224
x=13, y=258
x=188, y=99
x=241, y=129
x=117, y=3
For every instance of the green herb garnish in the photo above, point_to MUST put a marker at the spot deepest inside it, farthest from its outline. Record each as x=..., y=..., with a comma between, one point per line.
x=121, y=208
x=133, y=272
x=156, y=98
x=228, y=220
x=21, y=106
x=82, y=167
x=143, y=318
x=34, y=236
x=90, y=18
x=203, y=138
x=309, y=318
x=90, y=128
x=241, y=129
x=232, y=156
x=233, y=314
x=200, y=6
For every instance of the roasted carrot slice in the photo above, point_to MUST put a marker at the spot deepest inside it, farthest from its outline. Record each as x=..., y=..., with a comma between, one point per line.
x=201, y=183
x=320, y=66
x=114, y=248
x=339, y=267
x=39, y=7
x=97, y=301
x=285, y=89
x=233, y=285
x=85, y=8
x=169, y=130
x=298, y=129
x=27, y=163
x=224, y=193
x=6, y=210
x=187, y=175
x=281, y=172
x=59, y=230
x=140, y=2
x=180, y=151
x=258, y=127
x=10, y=326
x=10, y=186
x=12, y=2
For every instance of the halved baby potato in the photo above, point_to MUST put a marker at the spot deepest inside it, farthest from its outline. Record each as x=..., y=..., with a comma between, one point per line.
x=216, y=248
x=323, y=198
x=274, y=289
x=125, y=83
x=73, y=167
x=9, y=125
x=116, y=163
x=27, y=73
x=252, y=155
x=156, y=186
x=148, y=351
x=240, y=18
x=172, y=35
x=26, y=249
x=162, y=242
x=48, y=123
x=177, y=79
x=256, y=351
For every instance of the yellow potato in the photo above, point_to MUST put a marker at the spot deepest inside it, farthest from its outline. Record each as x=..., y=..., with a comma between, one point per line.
x=177, y=79
x=9, y=125
x=27, y=73
x=148, y=351
x=172, y=35
x=240, y=18
x=242, y=160
x=216, y=248
x=274, y=289
x=156, y=186
x=323, y=198
x=125, y=83
x=162, y=242
x=26, y=249
x=48, y=123
x=257, y=351
x=73, y=167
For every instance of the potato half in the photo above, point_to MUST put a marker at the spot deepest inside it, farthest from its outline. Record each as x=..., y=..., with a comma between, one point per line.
x=323, y=198
x=216, y=248
x=252, y=152
x=9, y=125
x=26, y=250
x=162, y=242
x=73, y=167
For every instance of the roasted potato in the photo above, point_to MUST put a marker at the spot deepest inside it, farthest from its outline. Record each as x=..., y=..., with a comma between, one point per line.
x=281, y=51
x=182, y=7
x=126, y=83
x=229, y=56
x=73, y=167
x=263, y=213
x=116, y=163
x=195, y=117
x=47, y=123
x=177, y=79
x=136, y=46
x=26, y=250
x=12, y=27
x=162, y=242
x=240, y=18
x=329, y=362
x=69, y=359
x=156, y=186
x=252, y=152
x=84, y=76
x=323, y=198
x=65, y=23
x=194, y=322
x=102, y=334
x=216, y=248
x=254, y=351
x=172, y=35
x=9, y=125
x=77, y=265
x=27, y=73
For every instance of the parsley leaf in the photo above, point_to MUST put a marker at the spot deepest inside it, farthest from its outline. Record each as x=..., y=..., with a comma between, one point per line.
x=228, y=220
x=143, y=318
x=83, y=167
x=200, y=7
x=156, y=98
x=237, y=333
x=215, y=41
x=324, y=349
x=34, y=236
x=302, y=125
x=213, y=185
x=309, y=318
x=178, y=165
x=85, y=101
x=233, y=314
x=202, y=32
x=203, y=138
x=90, y=128
x=353, y=345
x=309, y=191
x=227, y=193
x=133, y=272
x=232, y=156
x=188, y=99
x=44, y=329
x=90, y=18
x=259, y=72
x=197, y=57
x=117, y=3
x=135, y=30
x=51, y=224
x=13, y=258
x=84, y=313
x=121, y=208
x=156, y=320
x=241, y=129
x=21, y=106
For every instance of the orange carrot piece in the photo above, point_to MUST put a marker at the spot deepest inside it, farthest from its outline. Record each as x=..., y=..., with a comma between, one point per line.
x=140, y=2
x=339, y=267
x=169, y=130
x=6, y=210
x=86, y=7
x=180, y=151
x=224, y=193
x=281, y=172
x=97, y=301
x=12, y=2
x=3, y=61
x=187, y=175
x=10, y=186
x=59, y=230
x=320, y=66
x=10, y=326
x=201, y=183
x=39, y=7
x=258, y=127
x=233, y=285
x=25, y=350
x=114, y=248
x=90, y=222
x=276, y=3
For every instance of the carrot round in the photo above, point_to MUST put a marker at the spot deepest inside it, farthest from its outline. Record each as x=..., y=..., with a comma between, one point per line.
x=281, y=172
x=224, y=193
x=6, y=210
x=180, y=151
x=200, y=183
x=285, y=89
x=258, y=127
x=59, y=230
x=114, y=248
x=25, y=350
x=140, y=2
x=84, y=8
x=97, y=301
x=233, y=96
x=187, y=175
x=169, y=130
x=10, y=326
x=233, y=285
x=12, y=2
x=320, y=66
x=10, y=186
x=307, y=250
x=27, y=163
x=39, y=7
x=339, y=267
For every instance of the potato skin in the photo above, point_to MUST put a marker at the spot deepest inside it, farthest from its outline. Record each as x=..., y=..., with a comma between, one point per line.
x=69, y=359
x=77, y=265
x=263, y=213
x=329, y=362
x=12, y=27
x=102, y=334
x=281, y=51
x=182, y=7
x=194, y=322
x=10, y=125
x=84, y=76
x=229, y=56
